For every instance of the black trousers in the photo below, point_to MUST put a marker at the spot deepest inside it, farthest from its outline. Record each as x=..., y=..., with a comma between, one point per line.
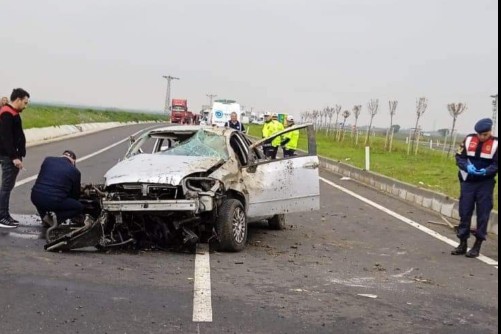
x=9, y=176
x=64, y=209
x=479, y=196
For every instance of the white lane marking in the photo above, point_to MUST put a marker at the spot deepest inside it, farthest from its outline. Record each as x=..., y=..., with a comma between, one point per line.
x=420, y=227
x=34, y=177
x=21, y=236
x=202, y=301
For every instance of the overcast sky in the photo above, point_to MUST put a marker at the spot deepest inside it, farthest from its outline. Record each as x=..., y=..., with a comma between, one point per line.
x=275, y=55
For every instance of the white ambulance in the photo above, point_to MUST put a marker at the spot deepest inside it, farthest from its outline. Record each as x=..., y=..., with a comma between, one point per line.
x=222, y=110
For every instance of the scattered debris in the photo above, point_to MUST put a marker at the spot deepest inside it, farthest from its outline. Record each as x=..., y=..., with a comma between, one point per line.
x=346, y=179
x=368, y=296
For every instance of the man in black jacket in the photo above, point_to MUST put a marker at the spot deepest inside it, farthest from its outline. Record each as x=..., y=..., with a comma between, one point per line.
x=12, y=151
x=57, y=188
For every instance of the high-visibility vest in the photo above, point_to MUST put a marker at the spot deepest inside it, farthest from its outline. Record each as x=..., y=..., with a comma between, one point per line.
x=293, y=137
x=270, y=129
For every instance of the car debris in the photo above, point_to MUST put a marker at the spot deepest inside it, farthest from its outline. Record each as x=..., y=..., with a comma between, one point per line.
x=181, y=185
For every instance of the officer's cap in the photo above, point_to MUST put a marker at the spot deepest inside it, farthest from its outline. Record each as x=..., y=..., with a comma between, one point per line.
x=484, y=125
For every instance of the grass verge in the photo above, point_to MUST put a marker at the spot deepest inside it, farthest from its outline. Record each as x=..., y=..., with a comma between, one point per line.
x=430, y=169
x=40, y=116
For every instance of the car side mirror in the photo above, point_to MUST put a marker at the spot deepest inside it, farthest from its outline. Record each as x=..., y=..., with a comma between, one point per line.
x=132, y=140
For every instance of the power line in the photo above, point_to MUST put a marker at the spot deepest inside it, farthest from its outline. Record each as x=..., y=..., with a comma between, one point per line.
x=211, y=97
x=167, y=98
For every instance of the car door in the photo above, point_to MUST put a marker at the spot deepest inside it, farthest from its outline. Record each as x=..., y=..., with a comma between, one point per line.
x=285, y=185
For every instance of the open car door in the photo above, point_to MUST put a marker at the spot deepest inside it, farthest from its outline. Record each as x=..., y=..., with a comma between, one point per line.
x=285, y=185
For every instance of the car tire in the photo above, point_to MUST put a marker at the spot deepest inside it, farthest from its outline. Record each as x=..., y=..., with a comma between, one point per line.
x=231, y=226
x=278, y=223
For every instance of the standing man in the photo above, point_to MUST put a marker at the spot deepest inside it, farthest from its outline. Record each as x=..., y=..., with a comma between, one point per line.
x=4, y=101
x=291, y=139
x=12, y=151
x=477, y=160
x=271, y=127
x=57, y=188
x=234, y=123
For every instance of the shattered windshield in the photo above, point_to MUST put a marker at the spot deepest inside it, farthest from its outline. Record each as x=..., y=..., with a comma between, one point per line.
x=202, y=144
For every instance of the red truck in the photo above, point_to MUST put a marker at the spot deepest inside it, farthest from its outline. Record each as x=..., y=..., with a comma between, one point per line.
x=180, y=113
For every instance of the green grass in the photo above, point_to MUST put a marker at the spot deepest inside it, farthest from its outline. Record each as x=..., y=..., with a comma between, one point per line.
x=429, y=169
x=40, y=116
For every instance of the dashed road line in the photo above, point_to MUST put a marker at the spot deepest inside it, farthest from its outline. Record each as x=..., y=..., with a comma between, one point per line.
x=202, y=301
x=485, y=259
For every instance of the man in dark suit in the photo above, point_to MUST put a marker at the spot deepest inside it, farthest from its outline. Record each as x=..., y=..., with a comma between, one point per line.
x=57, y=188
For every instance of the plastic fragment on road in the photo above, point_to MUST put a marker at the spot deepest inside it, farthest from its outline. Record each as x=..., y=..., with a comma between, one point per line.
x=368, y=296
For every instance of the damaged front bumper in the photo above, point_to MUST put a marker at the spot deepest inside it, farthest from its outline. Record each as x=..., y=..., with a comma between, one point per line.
x=122, y=218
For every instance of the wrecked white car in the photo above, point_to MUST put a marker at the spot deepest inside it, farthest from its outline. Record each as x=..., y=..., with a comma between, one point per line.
x=180, y=185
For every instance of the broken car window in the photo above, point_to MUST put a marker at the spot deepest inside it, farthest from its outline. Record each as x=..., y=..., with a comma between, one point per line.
x=202, y=144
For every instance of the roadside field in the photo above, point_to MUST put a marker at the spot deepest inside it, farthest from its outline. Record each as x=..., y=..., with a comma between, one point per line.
x=40, y=116
x=430, y=169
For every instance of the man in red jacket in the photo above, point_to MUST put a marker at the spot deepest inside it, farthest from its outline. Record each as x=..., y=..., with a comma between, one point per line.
x=12, y=151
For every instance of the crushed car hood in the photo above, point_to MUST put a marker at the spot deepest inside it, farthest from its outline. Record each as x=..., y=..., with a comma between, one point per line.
x=158, y=169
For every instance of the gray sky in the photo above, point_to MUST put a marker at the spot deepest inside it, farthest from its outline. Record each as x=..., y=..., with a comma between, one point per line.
x=275, y=55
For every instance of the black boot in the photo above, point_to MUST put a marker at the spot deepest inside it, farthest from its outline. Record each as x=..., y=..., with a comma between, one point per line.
x=475, y=251
x=462, y=248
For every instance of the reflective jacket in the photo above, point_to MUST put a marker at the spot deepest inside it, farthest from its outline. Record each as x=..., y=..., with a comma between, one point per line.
x=481, y=155
x=12, y=139
x=293, y=142
x=270, y=128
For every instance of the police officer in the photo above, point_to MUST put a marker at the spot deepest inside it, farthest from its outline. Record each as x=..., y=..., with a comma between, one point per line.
x=477, y=160
x=271, y=127
x=291, y=139
x=57, y=188
x=234, y=123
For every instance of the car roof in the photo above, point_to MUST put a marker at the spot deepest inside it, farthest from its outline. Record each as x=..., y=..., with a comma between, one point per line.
x=192, y=128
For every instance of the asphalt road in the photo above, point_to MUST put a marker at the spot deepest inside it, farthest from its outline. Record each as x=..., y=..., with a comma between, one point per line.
x=350, y=268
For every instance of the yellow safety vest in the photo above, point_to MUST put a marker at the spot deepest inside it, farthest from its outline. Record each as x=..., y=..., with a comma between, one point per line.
x=269, y=129
x=294, y=140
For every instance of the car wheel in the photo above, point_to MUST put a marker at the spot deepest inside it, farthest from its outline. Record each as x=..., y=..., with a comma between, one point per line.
x=278, y=223
x=231, y=226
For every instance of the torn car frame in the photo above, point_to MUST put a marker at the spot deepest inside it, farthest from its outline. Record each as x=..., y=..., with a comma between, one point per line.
x=181, y=185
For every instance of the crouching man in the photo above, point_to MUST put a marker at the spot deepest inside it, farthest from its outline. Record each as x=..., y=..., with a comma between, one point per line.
x=57, y=189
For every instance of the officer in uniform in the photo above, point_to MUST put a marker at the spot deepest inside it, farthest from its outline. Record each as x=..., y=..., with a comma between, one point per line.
x=291, y=139
x=271, y=127
x=57, y=188
x=234, y=123
x=477, y=159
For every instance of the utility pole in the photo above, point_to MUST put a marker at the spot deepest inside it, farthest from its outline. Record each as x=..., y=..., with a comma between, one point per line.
x=167, y=99
x=211, y=97
x=495, y=114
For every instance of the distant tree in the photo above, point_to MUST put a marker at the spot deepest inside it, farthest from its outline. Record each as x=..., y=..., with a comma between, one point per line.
x=373, y=109
x=356, y=112
x=330, y=114
x=421, y=107
x=389, y=135
x=455, y=109
x=346, y=114
x=396, y=128
x=337, y=110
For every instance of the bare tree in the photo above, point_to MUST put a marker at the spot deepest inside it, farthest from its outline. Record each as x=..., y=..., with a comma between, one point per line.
x=373, y=109
x=346, y=114
x=389, y=134
x=337, y=110
x=455, y=109
x=330, y=114
x=356, y=112
x=421, y=107
x=321, y=115
x=315, y=115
